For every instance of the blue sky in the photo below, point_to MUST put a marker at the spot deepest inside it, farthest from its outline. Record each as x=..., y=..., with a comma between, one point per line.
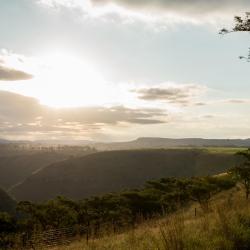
x=124, y=69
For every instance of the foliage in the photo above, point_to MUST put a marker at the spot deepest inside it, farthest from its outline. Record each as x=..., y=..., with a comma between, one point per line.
x=242, y=24
x=114, y=212
x=225, y=227
x=7, y=229
x=242, y=171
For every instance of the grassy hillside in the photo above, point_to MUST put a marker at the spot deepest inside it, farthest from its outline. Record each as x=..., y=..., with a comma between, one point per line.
x=105, y=172
x=14, y=169
x=62, y=220
x=7, y=204
x=17, y=162
x=225, y=226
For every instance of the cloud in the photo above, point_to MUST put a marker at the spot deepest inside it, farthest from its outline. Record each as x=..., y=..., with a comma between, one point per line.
x=237, y=101
x=171, y=93
x=104, y=115
x=170, y=11
x=18, y=109
x=11, y=67
x=186, y=6
x=9, y=74
x=21, y=115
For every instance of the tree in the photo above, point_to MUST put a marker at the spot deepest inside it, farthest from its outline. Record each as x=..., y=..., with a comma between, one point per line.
x=7, y=228
x=201, y=191
x=242, y=24
x=242, y=171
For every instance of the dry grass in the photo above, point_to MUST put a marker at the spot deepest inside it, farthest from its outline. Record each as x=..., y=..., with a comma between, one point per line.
x=225, y=226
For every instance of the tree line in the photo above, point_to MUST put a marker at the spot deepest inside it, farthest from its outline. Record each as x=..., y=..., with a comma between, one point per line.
x=113, y=211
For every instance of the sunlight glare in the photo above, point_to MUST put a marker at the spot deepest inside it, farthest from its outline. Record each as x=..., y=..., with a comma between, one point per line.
x=66, y=81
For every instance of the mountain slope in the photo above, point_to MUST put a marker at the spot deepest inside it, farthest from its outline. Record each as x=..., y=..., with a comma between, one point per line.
x=115, y=170
x=7, y=204
x=14, y=169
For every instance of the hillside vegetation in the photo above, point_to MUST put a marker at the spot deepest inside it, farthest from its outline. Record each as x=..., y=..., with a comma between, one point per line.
x=111, y=171
x=226, y=226
x=60, y=219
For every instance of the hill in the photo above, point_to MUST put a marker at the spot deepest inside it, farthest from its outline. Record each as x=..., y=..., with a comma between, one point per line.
x=14, y=169
x=110, y=171
x=154, y=142
x=18, y=161
x=7, y=204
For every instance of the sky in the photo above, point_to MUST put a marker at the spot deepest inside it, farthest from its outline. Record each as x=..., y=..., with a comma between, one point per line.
x=115, y=70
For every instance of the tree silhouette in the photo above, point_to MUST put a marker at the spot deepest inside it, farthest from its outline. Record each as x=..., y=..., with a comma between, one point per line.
x=241, y=24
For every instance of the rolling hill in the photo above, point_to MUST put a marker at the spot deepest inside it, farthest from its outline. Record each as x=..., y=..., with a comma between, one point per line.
x=7, y=204
x=18, y=161
x=110, y=171
x=14, y=169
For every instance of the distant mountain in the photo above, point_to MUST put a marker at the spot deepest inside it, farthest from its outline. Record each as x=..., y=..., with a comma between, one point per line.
x=109, y=171
x=143, y=142
x=3, y=141
x=7, y=204
x=153, y=142
x=63, y=142
x=48, y=142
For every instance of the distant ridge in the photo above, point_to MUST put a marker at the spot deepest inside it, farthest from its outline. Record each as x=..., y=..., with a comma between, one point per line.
x=144, y=142
x=199, y=142
x=154, y=142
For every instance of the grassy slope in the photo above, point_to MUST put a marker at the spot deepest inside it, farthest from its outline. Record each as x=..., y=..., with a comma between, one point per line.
x=110, y=171
x=226, y=226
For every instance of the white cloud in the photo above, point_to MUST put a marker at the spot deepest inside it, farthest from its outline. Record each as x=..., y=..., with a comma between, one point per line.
x=159, y=11
x=21, y=115
x=12, y=67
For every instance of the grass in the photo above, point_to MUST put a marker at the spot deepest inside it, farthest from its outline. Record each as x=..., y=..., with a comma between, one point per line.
x=226, y=226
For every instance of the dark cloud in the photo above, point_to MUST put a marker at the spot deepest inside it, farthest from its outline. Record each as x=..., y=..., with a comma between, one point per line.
x=18, y=108
x=20, y=114
x=10, y=74
x=181, y=6
x=176, y=94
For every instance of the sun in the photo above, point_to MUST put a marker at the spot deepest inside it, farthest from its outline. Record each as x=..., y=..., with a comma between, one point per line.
x=66, y=81
x=63, y=80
